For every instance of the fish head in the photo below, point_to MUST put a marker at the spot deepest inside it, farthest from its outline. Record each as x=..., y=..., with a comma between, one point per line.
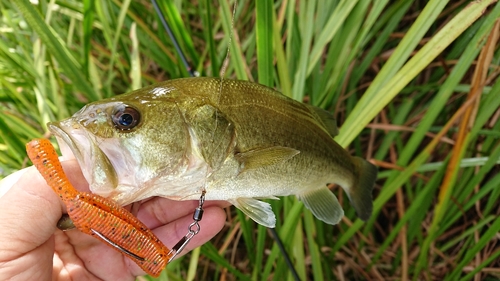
x=133, y=146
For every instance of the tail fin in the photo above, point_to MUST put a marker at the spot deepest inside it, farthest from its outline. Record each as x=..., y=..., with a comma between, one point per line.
x=360, y=194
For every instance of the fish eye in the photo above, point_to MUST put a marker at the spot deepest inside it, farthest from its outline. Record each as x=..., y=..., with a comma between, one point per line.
x=126, y=118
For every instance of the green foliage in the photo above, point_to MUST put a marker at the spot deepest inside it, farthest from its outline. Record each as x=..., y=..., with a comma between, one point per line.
x=393, y=72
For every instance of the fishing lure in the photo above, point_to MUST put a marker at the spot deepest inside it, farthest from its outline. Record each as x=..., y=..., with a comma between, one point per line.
x=101, y=217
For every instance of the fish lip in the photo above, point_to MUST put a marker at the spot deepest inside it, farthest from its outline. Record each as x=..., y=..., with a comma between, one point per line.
x=56, y=128
x=62, y=130
x=91, y=159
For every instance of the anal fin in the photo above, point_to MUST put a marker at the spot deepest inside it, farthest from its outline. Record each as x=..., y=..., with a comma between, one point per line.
x=260, y=212
x=323, y=204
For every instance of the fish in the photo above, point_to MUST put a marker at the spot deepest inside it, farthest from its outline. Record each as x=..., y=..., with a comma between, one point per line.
x=236, y=141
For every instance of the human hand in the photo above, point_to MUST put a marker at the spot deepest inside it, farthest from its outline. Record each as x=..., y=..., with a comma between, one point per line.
x=32, y=248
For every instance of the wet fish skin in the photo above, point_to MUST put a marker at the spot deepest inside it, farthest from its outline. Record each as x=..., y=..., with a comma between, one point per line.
x=240, y=141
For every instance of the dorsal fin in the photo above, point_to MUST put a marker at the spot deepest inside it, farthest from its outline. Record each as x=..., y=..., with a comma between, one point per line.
x=325, y=118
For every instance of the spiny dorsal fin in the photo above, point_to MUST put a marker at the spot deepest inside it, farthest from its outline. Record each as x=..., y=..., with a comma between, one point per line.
x=257, y=158
x=323, y=204
x=325, y=118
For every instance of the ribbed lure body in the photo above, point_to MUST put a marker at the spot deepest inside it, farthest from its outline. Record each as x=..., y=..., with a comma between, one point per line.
x=98, y=216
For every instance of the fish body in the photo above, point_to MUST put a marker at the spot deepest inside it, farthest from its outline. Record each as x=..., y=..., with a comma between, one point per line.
x=237, y=140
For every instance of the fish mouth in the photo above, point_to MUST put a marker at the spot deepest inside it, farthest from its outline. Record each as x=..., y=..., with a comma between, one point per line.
x=75, y=142
x=70, y=148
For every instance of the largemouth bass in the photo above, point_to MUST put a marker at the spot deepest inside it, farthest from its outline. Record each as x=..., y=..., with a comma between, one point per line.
x=239, y=141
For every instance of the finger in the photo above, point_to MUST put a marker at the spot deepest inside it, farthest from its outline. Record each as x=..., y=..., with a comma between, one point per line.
x=213, y=220
x=159, y=211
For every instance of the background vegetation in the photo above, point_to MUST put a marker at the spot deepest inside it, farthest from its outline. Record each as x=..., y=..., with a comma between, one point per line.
x=413, y=85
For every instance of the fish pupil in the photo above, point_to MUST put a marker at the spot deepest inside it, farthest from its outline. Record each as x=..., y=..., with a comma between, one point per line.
x=126, y=118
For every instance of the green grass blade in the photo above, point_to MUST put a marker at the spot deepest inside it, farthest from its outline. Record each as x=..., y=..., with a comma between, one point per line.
x=376, y=97
x=283, y=72
x=236, y=55
x=286, y=234
x=307, y=27
x=297, y=252
x=180, y=31
x=135, y=60
x=205, y=10
x=54, y=46
x=317, y=270
x=490, y=232
x=328, y=31
x=488, y=108
x=211, y=252
x=448, y=87
x=399, y=117
x=264, y=26
x=193, y=264
x=489, y=260
x=259, y=250
x=114, y=54
x=88, y=20
x=247, y=226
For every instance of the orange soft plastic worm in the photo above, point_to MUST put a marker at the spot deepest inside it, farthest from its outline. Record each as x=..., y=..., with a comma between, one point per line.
x=99, y=216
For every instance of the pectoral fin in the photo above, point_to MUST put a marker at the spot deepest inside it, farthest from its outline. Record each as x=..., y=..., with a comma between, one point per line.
x=257, y=158
x=213, y=132
x=323, y=204
x=260, y=212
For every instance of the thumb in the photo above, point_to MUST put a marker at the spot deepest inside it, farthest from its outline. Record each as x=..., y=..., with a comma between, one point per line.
x=29, y=211
x=28, y=216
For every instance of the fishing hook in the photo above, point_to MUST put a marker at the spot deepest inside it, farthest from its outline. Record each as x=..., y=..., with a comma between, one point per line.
x=110, y=242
